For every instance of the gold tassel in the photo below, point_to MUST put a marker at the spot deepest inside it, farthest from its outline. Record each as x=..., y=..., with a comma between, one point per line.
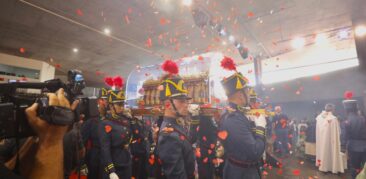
x=167, y=91
x=238, y=84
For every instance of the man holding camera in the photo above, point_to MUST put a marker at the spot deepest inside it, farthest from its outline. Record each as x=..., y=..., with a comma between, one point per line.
x=34, y=156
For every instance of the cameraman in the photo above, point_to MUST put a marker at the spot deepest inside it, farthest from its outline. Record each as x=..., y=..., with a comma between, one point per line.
x=43, y=157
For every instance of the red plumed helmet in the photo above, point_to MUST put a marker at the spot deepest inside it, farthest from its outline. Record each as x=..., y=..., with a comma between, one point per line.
x=171, y=67
x=228, y=64
x=108, y=81
x=118, y=82
x=348, y=94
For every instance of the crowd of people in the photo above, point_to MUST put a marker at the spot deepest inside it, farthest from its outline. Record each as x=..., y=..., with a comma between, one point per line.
x=181, y=143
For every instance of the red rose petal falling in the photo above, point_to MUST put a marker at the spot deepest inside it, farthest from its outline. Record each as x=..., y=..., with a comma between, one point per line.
x=57, y=66
x=296, y=172
x=228, y=64
x=149, y=42
x=198, y=152
x=22, y=50
x=79, y=12
x=316, y=78
x=222, y=135
x=127, y=19
x=205, y=160
x=250, y=14
x=279, y=172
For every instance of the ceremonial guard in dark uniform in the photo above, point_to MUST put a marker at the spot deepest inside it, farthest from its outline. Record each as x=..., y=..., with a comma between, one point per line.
x=281, y=129
x=204, y=133
x=89, y=133
x=174, y=148
x=115, y=136
x=355, y=136
x=140, y=147
x=243, y=146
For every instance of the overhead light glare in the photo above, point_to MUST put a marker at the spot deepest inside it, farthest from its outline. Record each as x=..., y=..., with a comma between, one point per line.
x=321, y=39
x=360, y=31
x=298, y=42
x=187, y=2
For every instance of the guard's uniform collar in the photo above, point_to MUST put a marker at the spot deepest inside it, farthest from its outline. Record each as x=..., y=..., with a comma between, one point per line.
x=238, y=108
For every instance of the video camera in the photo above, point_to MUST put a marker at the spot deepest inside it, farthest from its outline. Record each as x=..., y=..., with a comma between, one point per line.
x=16, y=97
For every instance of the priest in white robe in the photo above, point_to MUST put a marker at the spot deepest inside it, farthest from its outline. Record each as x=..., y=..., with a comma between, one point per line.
x=328, y=146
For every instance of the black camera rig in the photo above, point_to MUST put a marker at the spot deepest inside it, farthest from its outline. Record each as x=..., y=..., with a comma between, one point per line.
x=15, y=98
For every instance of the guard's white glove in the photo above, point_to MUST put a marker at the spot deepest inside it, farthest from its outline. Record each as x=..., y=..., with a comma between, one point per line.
x=113, y=176
x=260, y=121
x=194, y=109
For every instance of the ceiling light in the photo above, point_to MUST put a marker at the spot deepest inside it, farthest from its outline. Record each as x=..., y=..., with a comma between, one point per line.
x=360, y=31
x=343, y=34
x=187, y=2
x=231, y=38
x=298, y=43
x=75, y=50
x=321, y=39
x=107, y=31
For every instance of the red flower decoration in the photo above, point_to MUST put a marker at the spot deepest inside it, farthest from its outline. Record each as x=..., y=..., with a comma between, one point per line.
x=348, y=94
x=228, y=64
x=204, y=138
x=118, y=81
x=108, y=81
x=200, y=58
x=170, y=66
